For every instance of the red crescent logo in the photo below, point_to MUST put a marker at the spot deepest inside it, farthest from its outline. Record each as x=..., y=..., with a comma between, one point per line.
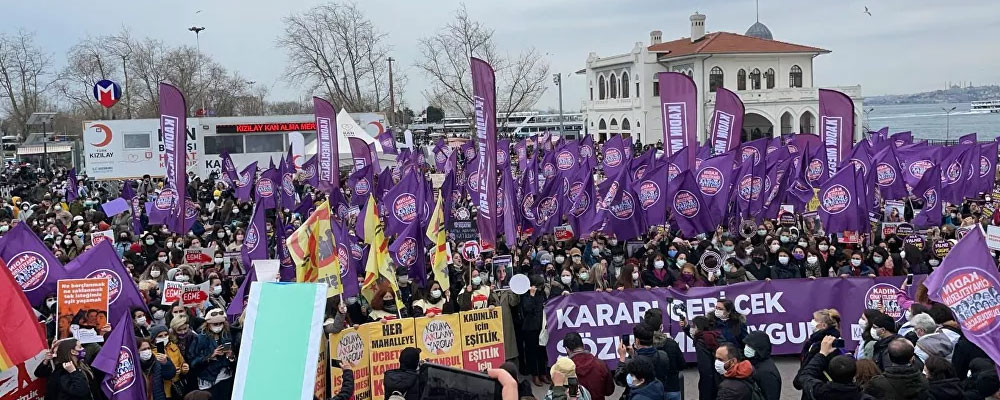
x=381, y=129
x=295, y=163
x=107, y=135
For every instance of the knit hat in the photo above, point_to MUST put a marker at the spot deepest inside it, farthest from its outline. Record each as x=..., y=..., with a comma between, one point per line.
x=103, y=226
x=574, y=252
x=564, y=365
x=135, y=248
x=217, y=193
x=177, y=322
x=409, y=358
x=156, y=330
x=215, y=316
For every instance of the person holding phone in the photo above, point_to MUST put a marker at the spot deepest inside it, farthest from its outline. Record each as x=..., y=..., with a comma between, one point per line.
x=69, y=377
x=347, y=387
x=156, y=369
x=165, y=344
x=825, y=322
x=565, y=385
x=212, y=356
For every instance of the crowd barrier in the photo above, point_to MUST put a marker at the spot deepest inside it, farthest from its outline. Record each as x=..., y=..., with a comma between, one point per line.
x=472, y=340
x=780, y=308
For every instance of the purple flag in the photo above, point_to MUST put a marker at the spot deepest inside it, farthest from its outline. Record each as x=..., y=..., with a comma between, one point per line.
x=33, y=266
x=888, y=176
x=651, y=189
x=244, y=187
x=306, y=207
x=640, y=166
x=968, y=139
x=348, y=263
x=360, y=156
x=361, y=184
x=987, y=165
x=714, y=179
x=254, y=246
x=327, y=153
x=587, y=154
x=967, y=282
x=815, y=165
x=173, y=127
x=956, y=161
x=286, y=173
x=727, y=121
x=309, y=175
x=286, y=268
x=617, y=208
x=678, y=110
x=799, y=141
x=128, y=193
x=838, y=202
x=688, y=207
x=836, y=120
x=507, y=208
x=101, y=261
x=408, y=251
x=119, y=359
x=915, y=160
x=503, y=153
x=485, y=105
x=229, y=174
x=902, y=138
x=191, y=212
x=441, y=158
x=548, y=205
x=388, y=142
x=266, y=187
x=929, y=189
x=521, y=150
x=614, y=159
x=239, y=302
x=72, y=187
x=405, y=204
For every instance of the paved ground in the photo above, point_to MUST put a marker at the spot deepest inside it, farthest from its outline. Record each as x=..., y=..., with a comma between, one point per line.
x=787, y=366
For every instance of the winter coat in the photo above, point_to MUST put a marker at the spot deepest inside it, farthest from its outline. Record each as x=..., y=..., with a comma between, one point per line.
x=198, y=355
x=811, y=346
x=758, y=271
x=899, y=382
x=945, y=389
x=705, y=344
x=404, y=381
x=62, y=385
x=346, y=388
x=650, y=391
x=765, y=373
x=736, y=382
x=791, y=270
x=812, y=381
x=531, y=310
x=880, y=353
x=506, y=299
x=676, y=359
x=733, y=330
x=158, y=375
x=593, y=374
x=659, y=360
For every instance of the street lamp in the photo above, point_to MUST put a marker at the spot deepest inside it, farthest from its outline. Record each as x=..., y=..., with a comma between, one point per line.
x=557, y=79
x=947, y=112
x=43, y=118
x=868, y=118
x=197, y=38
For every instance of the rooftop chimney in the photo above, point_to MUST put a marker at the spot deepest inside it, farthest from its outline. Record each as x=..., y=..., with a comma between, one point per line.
x=697, y=26
x=655, y=37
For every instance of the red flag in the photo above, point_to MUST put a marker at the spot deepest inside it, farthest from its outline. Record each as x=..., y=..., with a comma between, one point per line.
x=21, y=336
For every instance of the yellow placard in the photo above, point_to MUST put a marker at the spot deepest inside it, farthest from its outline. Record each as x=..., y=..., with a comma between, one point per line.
x=350, y=346
x=440, y=339
x=813, y=204
x=482, y=339
x=321, y=370
x=385, y=341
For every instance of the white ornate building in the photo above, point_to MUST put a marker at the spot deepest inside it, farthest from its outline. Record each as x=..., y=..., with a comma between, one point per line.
x=773, y=78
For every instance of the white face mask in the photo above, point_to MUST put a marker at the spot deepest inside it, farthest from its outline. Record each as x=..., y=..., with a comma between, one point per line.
x=856, y=263
x=577, y=259
x=933, y=262
x=145, y=355
x=658, y=264
x=613, y=242
x=216, y=329
x=566, y=280
x=774, y=248
x=721, y=315
x=635, y=276
x=812, y=326
x=50, y=302
x=436, y=294
x=727, y=268
x=140, y=321
x=812, y=259
x=873, y=332
x=161, y=259
x=584, y=276
x=783, y=260
x=909, y=315
x=162, y=340
x=681, y=262
x=159, y=314
x=560, y=259
x=877, y=260
x=803, y=244
x=219, y=260
x=150, y=242
x=720, y=367
x=749, y=352
x=181, y=278
x=862, y=322
x=824, y=247
x=217, y=290
x=154, y=273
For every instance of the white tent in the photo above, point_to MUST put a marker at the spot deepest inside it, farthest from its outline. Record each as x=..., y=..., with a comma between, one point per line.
x=347, y=128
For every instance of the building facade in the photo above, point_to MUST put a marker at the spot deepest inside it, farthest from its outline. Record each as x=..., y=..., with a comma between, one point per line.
x=773, y=78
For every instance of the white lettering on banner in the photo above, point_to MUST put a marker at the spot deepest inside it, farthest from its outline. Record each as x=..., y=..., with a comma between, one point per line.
x=169, y=132
x=832, y=130
x=675, y=114
x=325, y=149
x=746, y=304
x=604, y=348
x=723, y=127
x=484, y=203
x=607, y=314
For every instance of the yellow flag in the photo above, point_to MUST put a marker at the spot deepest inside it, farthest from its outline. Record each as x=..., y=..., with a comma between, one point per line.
x=436, y=233
x=378, y=255
x=313, y=248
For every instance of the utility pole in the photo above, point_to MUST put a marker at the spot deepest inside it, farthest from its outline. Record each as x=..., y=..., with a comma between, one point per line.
x=197, y=38
x=392, y=96
x=557, y=78
x=948, y=112
x=128, y=97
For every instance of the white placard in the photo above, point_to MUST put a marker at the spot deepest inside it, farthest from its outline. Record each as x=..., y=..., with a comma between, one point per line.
x=993, y=237
x=267, y=270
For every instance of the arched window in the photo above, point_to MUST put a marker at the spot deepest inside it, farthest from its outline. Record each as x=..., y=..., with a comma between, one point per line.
x=795, y=77
x=715, y=79
x=625, y=125
x=613, y=86
x=769, y=78
x=614, y=123
x=741, y=80
x=625, y=85
x=602, y=125
x=601, y=88
x=755, y=79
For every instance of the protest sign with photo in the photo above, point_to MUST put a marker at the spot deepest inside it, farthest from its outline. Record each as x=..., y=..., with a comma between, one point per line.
x=82, y=307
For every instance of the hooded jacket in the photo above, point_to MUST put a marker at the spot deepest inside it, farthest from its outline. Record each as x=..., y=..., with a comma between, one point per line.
x=812, y=381
x=736, y=382
x=899, y=382
x=594, y=375
x=705, y=344
x=945, y=389
x=650, y=391
x=765, y=373
x=404, y=381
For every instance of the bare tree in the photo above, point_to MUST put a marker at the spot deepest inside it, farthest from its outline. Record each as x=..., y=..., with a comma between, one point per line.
x=339, y=51
x=25, y=77
x=445, y=60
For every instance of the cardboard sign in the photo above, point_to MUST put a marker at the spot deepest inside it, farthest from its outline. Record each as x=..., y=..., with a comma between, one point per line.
x=463, y=230
x=890, y=228
x=171, y=292
x=351, y=349
x=993, y=237
x=199, y=256
x=849, y=237
x=482, y=339
x=915, y=240
x=82, y=307
x=187, y=295
x=786, y=219
x=439, y=339
x=904, y=230
x=100, y=236
x=471, y=250
x=941, y=248
x=267, y=270
x=563, y=233
x=893, y=211
x=385, y=341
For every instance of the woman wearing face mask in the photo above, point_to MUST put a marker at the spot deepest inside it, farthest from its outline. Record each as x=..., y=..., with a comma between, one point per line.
x=532, y=306
x=657, y=274
x=141, y=322
x=156, y=271
x=630, y=277
x=688, y=279
x=159, y=313
x=706, y=340
x=582, y=281
x=773, y=245
x=743, y=252
x=880, y=262
x=759, y=236
x=828, y=257
x=149, y=247
x=812, y=268
x=730, y=323
x=162, y=256
x=68, y=375
x=156, y=369
x=215, y=296
x=237, y=242
x=785, y=267
x=186, y=274
x=564, y=285
x=384, y=306
x=866, y=347
x=825, y=322
x=575, y=258
x=758, y=268
x=856, y=267
x=733, y=272
x=476, y=295
x=122, y=244
x=433, y=302
x=213, y=355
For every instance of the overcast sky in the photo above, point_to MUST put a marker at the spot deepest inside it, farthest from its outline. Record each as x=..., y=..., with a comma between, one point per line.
x=905, y=46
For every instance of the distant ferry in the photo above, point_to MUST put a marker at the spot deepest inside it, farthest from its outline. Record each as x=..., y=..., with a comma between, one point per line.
x=518, y=124
x=985, y=106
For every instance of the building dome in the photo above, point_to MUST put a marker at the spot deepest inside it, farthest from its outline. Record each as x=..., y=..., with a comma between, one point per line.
x=760, y=31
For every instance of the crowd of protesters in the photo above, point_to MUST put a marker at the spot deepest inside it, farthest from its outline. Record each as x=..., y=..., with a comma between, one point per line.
x=191, y=352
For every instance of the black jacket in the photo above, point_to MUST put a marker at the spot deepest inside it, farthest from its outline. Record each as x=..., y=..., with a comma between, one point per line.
x=765, y=373
x=346, y=388
x=404, y=381
x=735, y=389
x=531, y=311
x=668, y=345
x=811, y=346
x=965, y=352
x=812, y=381
x=945, y=389
x=880, y=353
x=899, y=382
x=705, y=344
x=661, y=365
x=62, y=385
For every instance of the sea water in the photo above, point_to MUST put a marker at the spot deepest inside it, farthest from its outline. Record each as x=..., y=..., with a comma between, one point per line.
x=930, y=121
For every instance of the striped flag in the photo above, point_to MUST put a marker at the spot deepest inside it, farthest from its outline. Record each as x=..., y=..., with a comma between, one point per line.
x=437, y=235
x=21, y=336
x=313, y=248
x=378, y=254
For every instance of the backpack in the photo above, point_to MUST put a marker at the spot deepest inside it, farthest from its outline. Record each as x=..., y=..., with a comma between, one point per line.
x=397, y=396
x=755, y=392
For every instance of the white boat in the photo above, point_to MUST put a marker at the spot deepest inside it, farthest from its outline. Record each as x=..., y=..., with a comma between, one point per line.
x=518, y=124
x=985, y=106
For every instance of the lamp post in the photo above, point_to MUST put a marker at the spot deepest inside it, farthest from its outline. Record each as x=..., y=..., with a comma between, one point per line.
x=197, y=39
x=392, y=96
x=947, y=119
x=43, y=119
x=557, y=79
